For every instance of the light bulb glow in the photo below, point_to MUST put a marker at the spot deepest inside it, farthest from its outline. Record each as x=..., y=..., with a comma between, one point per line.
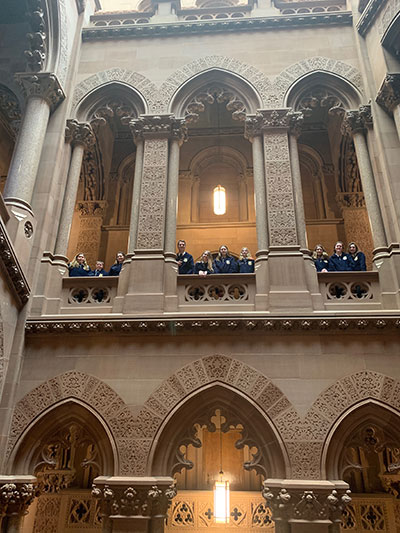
x=219, y=200
x=221, y=502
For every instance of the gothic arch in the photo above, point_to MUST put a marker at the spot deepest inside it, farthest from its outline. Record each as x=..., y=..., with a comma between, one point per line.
x=257, y=82
x=88, y=390
x=281, y=85
x=208, y=156
x=141, y=85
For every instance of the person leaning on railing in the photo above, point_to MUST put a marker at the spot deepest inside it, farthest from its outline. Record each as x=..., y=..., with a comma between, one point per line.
x=224, y=263
x=116, y=267
x=205, y=265
x=339, y=261
x=357, y=257
x=320, y=258
x=246, y=262
x=99, y=270
x=184, y=259
x=78, y=267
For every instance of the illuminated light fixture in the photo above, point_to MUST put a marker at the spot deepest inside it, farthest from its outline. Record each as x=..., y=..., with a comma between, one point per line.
x=221, y=492
x=219, y=200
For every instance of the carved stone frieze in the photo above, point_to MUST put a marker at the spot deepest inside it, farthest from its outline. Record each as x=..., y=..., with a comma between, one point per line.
x=11, y=264
x=215, y=94
x=357, y=120
x=16, y=496
x=37, y=38
x=79, y=133
x=42, y=85
x=325, y=501
x=388, y=95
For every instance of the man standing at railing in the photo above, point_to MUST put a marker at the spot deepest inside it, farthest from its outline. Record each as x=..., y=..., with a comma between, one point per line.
x=185, y=260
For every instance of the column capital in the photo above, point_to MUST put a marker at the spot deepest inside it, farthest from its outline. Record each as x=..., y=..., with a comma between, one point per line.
x=357, y=120
x=271, y=119
x=147, y=497
x=159, y=127
x=79, y=133
x=44, y=85
x=388, y=95
x=16, y=494
x=306, y=500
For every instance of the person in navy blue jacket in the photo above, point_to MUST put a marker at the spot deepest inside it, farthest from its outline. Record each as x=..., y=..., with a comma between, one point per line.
x=320, y=257
x=205, y=265
x=224, y=263
x=339, y=261
x=246, y=262
x=78, y=266
x=99, y=270
x=116, y=267
x=357, y=257
x=185, y=260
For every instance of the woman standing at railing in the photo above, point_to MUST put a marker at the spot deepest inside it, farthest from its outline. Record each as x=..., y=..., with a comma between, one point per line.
x=224, y=263
x=205, y=266
x=116, y=267
x=358, y=258
x=320, y=257
x=78, y=267
x=339, y=261
x=246, y=262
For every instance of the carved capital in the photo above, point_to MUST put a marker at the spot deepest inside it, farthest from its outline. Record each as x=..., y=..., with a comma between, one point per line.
x=357, y=120
x=91, y=209
x=159, y=127
x=306, y=501
x=79, y=133
x=42, y=85
x=130, y=497
x=16, y=496
x=388, y=95
x=268, y=119
x=296, y=122
x=354, y=200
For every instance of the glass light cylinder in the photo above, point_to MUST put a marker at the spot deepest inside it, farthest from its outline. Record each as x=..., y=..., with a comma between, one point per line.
x=221, y=502
x=219, y=200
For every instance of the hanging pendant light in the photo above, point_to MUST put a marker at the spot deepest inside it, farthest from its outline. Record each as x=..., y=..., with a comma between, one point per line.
x=219, y=200
x=221, y=492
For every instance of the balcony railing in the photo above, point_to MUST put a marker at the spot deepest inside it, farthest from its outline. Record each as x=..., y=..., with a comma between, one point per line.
x=88, y=295
x=354, y=290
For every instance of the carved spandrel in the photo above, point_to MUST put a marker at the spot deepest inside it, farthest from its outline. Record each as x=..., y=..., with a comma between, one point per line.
x=388, y=96
x=43, y=85
x=79, y=133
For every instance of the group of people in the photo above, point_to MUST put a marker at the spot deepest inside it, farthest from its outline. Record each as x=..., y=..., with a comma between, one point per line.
x=339, y=261
x=224, y=263
x=79, y=267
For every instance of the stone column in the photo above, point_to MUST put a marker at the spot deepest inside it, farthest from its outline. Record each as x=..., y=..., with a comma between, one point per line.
x=306, y=506
x=81, y=136
x=146, y=277
x=43, y=93
x=137, y=182
x=389, y=97
x=16, y=495
x=355, y=123
x=137, y=504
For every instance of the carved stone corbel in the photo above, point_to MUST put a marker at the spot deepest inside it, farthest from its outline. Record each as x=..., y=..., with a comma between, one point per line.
x=357, y=120
x=388, y=95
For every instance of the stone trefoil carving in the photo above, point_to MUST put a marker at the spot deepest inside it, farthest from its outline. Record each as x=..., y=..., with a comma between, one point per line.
x=215, y=94
x=388, y=96
x=37, y=38
x=79, y=133
x=42, y=85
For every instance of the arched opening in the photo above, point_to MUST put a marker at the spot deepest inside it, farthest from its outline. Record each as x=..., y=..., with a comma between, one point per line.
x=334, y=201
x=215, y=105
x=218, y=434
x=100, y=226
x=66, y=449
x=364, y=450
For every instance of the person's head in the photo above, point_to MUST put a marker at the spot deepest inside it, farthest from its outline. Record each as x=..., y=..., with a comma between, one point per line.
x=244, y=253
x=119, y=257
x=80, y=259
x=99, y=265
x=353, y=248
x=319, y=250
x=338, y=249
x=223, y=251
x=206, y=258
x=181, y=246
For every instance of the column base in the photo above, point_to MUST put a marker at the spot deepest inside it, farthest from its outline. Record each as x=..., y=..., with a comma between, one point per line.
x=21, y=228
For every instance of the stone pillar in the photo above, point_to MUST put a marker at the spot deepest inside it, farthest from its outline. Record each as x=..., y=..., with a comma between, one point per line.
x=81, y=136
x=137, y=504
x=137, y=182
x=146, y=277
x=43, y=93
x=355, y=123
x=90, y=221
x=16, y=495
x=195, y=200
x=178, y=136
x=389, y=97
x=306, y=506
x=253, y=133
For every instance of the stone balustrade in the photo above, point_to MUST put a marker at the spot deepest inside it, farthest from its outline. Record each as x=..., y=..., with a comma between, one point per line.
x=352, y=290
x=88, y=295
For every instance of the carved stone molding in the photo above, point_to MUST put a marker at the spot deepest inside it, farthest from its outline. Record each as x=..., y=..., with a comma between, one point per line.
x=43, y=85
x=37, y=52
x=11, y=264
x=10, y=108
x=388, y=95
x=16, y=494
x=291, y=500
x=273, y=119
x=159, y=127
x=215, y=94
x=357, y=120
x=79, y=133
x=144, y=497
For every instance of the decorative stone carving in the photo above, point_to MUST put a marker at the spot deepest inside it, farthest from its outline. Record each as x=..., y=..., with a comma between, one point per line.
x=14, y=271
x=159, y=127
x=389, y=93
x=357, y=120
x=37, y=38
x=79, y=133
x=16, y=496
x=209, y=96
x=113, y=109
x=320, y=97
x=42, y=85
x=10, y=109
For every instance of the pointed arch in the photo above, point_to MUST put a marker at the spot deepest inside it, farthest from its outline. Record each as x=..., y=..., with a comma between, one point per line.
x=281, y=85
x=138, y=83
x=258, y=83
